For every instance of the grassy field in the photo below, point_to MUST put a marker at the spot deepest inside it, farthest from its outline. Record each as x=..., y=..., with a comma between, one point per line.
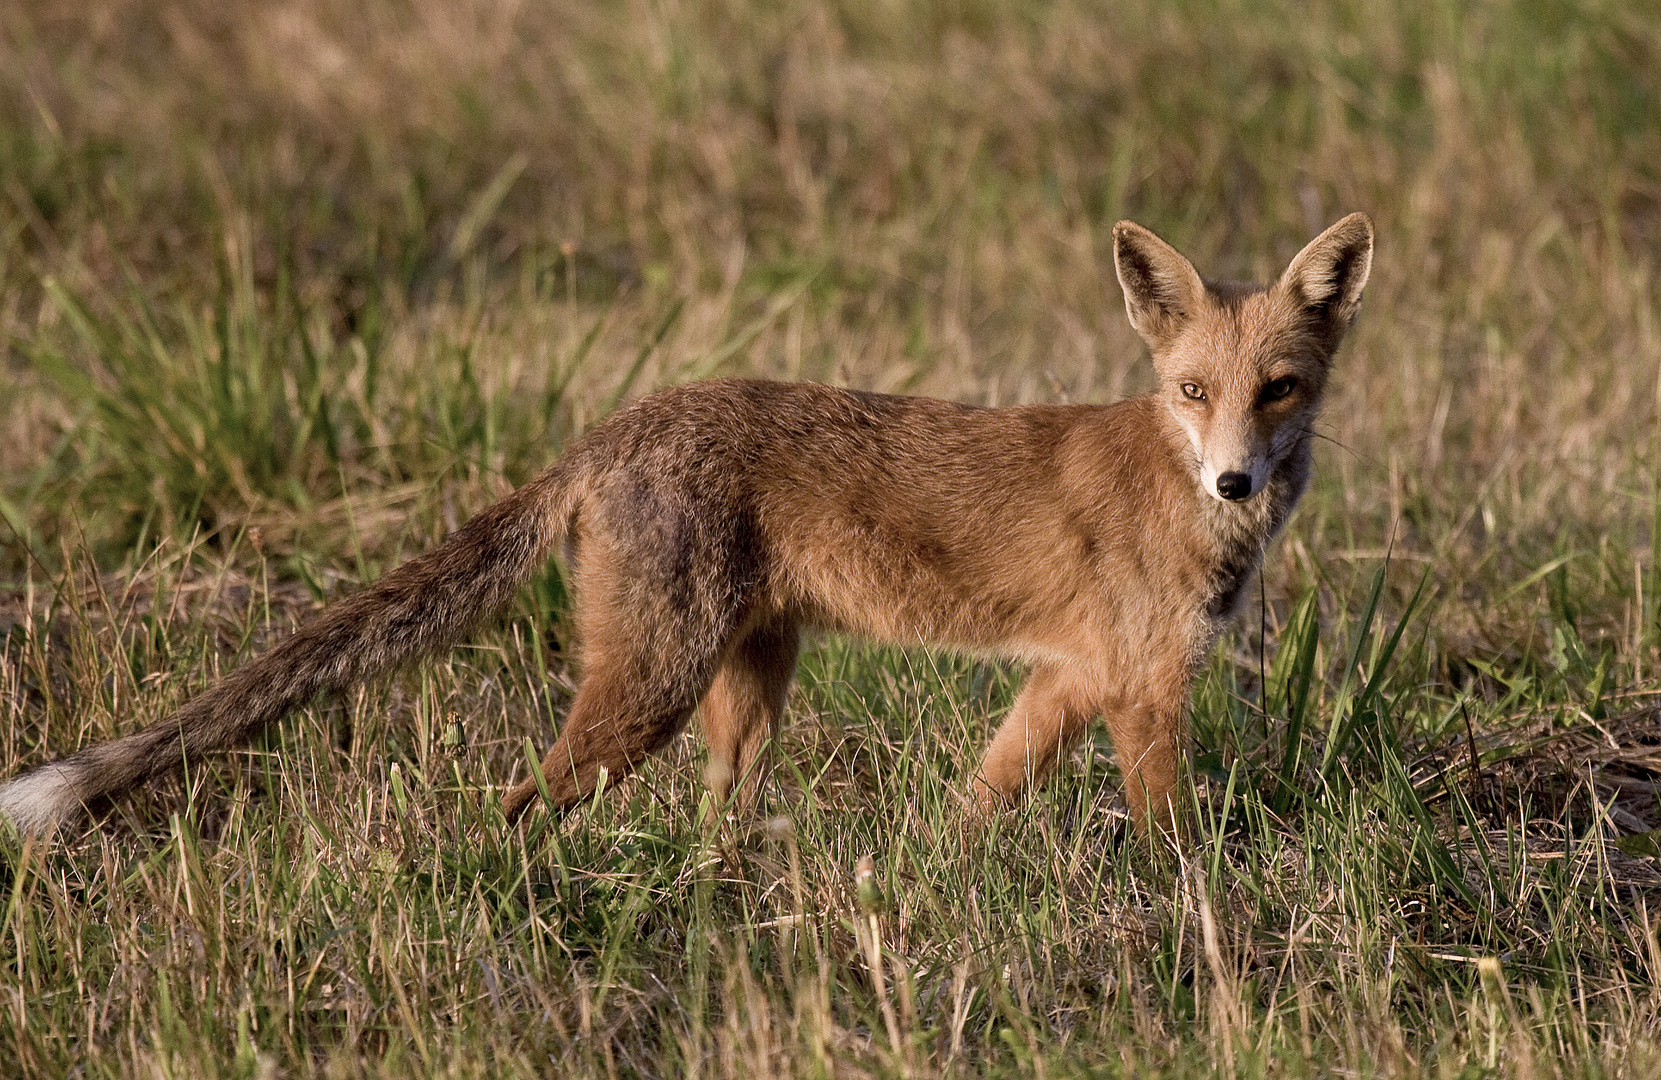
x=288, y=289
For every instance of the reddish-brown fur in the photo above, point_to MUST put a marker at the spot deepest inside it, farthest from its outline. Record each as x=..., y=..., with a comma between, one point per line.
x=706, y=526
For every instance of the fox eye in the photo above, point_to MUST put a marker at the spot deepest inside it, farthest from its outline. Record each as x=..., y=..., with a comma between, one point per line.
x=1192, y=391
x=1278, y=389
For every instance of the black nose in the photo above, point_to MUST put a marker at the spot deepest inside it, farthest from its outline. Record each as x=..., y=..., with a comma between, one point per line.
x=1234, y=485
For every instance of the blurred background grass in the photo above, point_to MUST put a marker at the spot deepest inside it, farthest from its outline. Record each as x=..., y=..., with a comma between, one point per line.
x=290, y=288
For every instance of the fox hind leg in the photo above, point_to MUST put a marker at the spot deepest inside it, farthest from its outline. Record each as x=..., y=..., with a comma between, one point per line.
x=625, y=710
x=646, y=666
x=742, y=710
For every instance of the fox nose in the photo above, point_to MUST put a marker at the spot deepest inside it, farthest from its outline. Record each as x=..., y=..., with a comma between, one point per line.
x=1234, y=485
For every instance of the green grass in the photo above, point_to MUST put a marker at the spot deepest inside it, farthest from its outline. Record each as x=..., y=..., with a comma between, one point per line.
x=287, y=291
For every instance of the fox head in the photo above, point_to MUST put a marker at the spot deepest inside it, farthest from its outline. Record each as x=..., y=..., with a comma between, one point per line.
x=1242, y=367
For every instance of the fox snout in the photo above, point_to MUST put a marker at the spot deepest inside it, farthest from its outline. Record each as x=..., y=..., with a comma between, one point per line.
x=1231, y=477
x=1234, y=486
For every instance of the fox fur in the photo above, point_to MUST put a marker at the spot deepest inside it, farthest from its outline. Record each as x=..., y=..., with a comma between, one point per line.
x=707, y=526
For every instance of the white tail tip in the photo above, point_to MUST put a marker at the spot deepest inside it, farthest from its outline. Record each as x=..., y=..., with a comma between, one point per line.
x=38, y=802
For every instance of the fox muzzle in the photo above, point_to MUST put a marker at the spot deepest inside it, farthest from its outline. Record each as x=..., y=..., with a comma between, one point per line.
x=1234, y=486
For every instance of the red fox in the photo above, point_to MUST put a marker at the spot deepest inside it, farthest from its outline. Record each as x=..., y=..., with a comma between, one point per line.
x=706, y=526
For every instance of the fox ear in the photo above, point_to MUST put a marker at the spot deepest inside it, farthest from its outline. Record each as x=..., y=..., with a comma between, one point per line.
x=1161, y=287
x=1327, y=277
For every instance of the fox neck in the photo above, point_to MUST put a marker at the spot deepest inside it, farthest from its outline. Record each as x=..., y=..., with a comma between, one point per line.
x=1237, y=533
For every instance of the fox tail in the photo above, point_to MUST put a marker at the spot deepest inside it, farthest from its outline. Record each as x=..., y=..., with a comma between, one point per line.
x=426, y=604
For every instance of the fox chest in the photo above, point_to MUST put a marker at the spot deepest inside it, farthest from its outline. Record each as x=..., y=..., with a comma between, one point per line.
x=1234, y=545
x=1226, y=586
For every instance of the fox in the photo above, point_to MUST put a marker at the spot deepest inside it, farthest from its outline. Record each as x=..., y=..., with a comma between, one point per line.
x=705, y=528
